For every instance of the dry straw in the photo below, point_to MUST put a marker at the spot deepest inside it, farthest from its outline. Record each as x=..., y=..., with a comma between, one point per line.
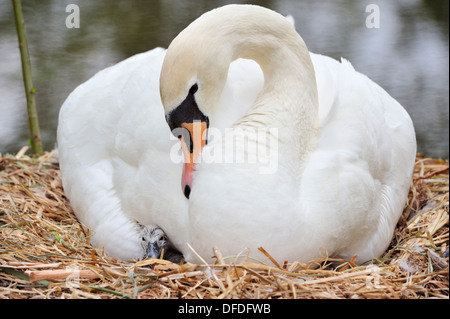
x=45, y=252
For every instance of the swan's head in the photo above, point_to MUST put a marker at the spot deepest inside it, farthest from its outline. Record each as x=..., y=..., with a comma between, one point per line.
x=193, y=76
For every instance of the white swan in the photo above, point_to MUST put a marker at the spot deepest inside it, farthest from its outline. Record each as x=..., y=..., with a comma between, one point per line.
x=344, y=155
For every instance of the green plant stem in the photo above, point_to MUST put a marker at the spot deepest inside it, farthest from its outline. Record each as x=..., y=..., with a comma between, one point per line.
x=36, y=143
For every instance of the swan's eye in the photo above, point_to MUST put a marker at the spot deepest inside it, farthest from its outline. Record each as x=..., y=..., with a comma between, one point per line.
x=193, y=89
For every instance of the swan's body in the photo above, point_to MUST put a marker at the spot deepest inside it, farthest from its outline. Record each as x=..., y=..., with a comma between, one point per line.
x=345, y=148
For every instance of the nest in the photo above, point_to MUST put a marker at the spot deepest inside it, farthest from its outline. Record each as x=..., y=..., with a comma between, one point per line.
x=45, y=252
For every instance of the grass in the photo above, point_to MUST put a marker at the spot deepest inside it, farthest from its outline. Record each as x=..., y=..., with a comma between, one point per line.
x=45, y=252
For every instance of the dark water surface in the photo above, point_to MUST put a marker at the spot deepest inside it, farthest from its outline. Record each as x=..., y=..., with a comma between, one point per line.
x=408, y=54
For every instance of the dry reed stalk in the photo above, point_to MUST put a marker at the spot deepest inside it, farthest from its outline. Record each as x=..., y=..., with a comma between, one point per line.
x=60, y=274
x=45, y=252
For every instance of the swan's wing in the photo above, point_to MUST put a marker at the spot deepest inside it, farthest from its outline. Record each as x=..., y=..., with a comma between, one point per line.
x=366, y=150
x=100, y=148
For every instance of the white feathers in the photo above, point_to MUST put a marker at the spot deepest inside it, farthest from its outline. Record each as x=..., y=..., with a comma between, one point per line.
x=344, y=165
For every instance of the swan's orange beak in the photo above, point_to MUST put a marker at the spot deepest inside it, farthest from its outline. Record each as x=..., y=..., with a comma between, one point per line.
x=191, y=151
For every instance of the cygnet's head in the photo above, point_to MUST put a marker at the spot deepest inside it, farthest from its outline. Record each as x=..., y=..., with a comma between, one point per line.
x=156, y=245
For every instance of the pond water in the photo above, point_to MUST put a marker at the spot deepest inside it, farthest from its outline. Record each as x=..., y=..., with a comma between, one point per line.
x=408, y=54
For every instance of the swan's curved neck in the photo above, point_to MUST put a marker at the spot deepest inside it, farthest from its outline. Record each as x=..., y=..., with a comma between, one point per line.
x=289, y=99
x=290, y=89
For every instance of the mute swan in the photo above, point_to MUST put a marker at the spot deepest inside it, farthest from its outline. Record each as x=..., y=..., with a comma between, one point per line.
x=345, y=149
x=345, y=155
